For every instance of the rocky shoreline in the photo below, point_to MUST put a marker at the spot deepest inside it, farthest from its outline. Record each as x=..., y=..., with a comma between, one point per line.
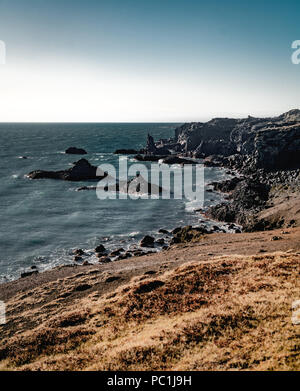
x=263, y=154
x=180, y=297
x=162, y=241
x=252, y=194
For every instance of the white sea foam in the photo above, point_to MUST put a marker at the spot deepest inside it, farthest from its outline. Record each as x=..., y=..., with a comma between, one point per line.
x=134, y=233
x=191, y=206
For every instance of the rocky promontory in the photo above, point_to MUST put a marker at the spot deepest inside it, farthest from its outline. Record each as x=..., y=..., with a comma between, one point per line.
x=250, y=143
x=265, y=152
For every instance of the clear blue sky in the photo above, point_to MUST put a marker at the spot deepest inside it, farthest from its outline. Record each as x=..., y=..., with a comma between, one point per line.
x=130, y=60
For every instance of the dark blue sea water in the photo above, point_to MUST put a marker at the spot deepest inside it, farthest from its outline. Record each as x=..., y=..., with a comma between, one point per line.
x=43, y=220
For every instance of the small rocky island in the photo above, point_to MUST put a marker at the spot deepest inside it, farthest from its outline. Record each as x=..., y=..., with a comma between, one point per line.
x=81, y=170
x=76, y=151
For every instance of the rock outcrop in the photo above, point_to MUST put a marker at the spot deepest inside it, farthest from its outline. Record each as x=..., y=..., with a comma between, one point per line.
x=76, y=151
x=248, y=144
x=163, y=147
x=100, y=249
x=210, y=147
x=177, y=160
x=266, y=151
x=126, y=152
x=147, y=241
x=148, y=158
x=81, y=171
x=247, y=197
x=151, y=147
x=134, y=186
x=188, y=234
x=277, y=148
x=139, y=185
x=260, y=201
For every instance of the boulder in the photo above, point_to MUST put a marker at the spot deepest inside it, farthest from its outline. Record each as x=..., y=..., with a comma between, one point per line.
x=100, y=249
x=27, y=274
x=147, y=241
x=189, y=234
x=78, y=251
x=75, y=151
x=176, y=230
x=276, y=238
x=124, y=256
x=104, y=259
x=163, y=231
x=116, y=252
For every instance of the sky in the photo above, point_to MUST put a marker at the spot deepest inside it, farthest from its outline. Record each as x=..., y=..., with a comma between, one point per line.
x=147, y=60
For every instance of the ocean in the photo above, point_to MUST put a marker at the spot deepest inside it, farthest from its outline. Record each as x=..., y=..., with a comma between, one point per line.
x=42, y=221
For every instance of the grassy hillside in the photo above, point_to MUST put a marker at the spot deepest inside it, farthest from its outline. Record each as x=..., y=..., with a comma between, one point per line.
x=228, y=313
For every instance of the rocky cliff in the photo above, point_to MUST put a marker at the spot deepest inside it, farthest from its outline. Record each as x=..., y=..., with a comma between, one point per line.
x=251, y=143
x=266, y=151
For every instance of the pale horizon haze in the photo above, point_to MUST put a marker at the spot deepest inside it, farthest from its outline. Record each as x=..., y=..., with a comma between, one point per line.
x=147, y=61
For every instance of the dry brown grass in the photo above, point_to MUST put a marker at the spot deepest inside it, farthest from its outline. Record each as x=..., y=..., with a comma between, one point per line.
x=229, y=313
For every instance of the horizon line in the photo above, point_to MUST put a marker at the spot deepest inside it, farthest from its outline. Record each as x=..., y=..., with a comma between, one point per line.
x=204, y=119
x=94, y=122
